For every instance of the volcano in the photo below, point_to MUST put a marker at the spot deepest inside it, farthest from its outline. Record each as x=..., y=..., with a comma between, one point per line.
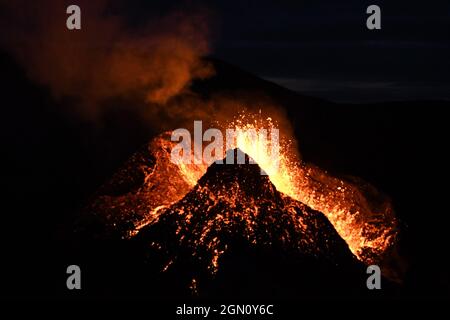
x=231, y=210
x=199, y=227
x=130, y=211
x=236, y=204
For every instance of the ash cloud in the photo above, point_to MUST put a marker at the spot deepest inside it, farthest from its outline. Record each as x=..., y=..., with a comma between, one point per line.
x=106, y=58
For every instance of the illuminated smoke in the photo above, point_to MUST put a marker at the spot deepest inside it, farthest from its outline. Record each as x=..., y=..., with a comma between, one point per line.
x=106, y=58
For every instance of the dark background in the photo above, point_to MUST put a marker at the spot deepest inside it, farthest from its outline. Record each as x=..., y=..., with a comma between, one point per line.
x=54, y=162
x=324, y=49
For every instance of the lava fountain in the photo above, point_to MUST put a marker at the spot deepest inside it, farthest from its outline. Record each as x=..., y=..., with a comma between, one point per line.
x=362, y=216
x=368, y=226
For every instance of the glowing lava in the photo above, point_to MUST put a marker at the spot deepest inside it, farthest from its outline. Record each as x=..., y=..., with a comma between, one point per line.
x=361, y=215
x=368, y=226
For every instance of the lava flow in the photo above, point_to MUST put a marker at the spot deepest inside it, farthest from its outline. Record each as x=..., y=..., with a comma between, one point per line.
x=368, y=226
x=202, y=204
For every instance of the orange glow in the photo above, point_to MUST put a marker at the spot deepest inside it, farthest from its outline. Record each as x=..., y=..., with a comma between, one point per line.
x=368, y=228
x=362, y=217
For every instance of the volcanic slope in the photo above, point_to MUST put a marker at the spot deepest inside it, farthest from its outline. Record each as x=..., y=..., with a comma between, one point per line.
x=234, y=216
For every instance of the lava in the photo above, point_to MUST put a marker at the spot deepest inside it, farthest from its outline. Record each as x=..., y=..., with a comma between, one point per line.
x=361, y=215
x=368, y=226
x=233, y=206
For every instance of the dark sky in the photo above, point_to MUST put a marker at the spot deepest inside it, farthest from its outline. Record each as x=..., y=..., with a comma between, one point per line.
x=323, y=48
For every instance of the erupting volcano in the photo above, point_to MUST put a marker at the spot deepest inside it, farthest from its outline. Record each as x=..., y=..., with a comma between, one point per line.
x=189, y=211
x=183, y=158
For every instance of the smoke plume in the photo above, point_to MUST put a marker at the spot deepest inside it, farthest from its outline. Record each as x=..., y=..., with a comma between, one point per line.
x=107, y=58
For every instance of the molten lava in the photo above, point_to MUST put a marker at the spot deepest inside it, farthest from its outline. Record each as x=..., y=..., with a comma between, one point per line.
x=368, y=227
x=162, y=190
x=234, y=205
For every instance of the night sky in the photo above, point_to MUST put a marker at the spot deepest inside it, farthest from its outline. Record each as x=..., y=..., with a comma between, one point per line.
x=323, y=48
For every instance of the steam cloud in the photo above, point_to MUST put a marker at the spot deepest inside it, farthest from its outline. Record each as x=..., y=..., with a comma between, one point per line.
x=106, y=58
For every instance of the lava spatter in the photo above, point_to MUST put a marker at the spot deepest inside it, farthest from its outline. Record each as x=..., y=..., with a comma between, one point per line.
x=236, y=203
x=151, y=190
x=147, y=183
